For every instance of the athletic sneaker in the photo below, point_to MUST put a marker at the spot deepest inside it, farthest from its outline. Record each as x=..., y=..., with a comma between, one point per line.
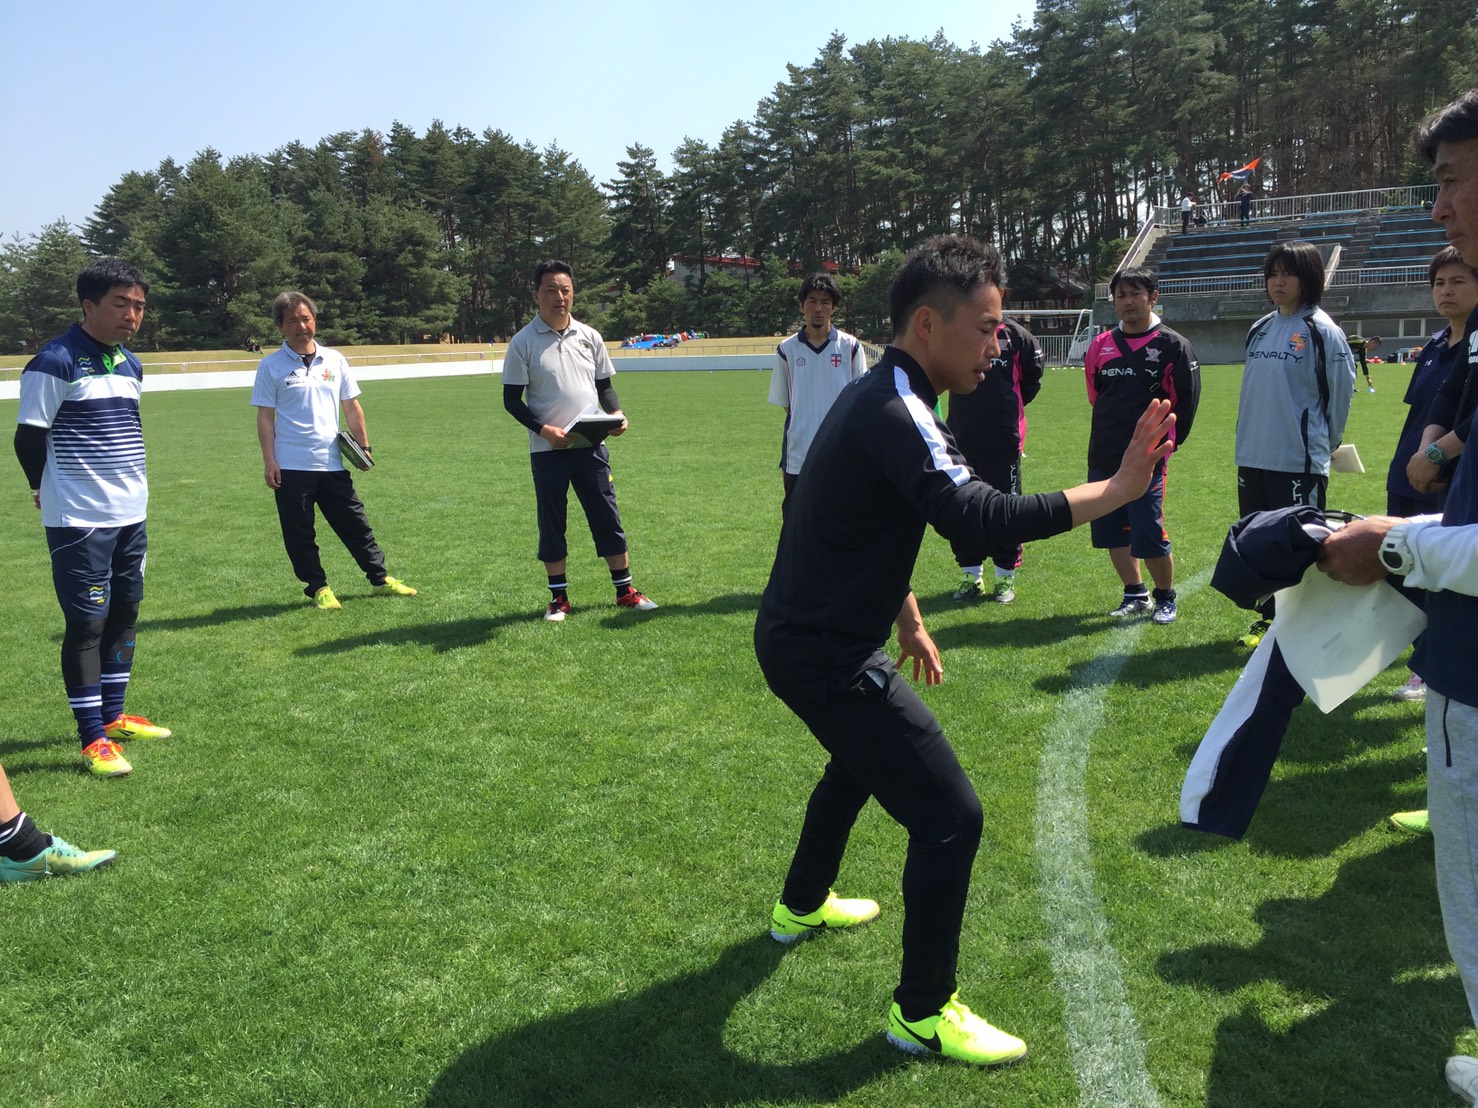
x=324, y=598
x=1005, y=589
x=971, y=588
x=59, y=859
x=392, y=587
x=135, y=727
x=1164, y=611
x=105, y=759
x=956, y=1032
x=1414, y=689
x=1462, y=1077
x=1136, y=604
x=787, y=927
x=557, y=610
x=1371, y=389
x=1415, y=823
x=1255, y=633
x=636, y=601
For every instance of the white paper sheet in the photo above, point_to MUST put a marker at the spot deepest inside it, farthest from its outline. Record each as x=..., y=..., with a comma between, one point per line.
x=1336, y=637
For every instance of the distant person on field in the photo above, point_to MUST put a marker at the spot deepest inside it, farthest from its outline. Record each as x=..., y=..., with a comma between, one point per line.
x=1441, y=556
x=1359, y=344
x=881, y=469
x=564, y=366
x=81, y=444
x=1244, y=205
x=300, y=389
x=28, y=854
x=1295, y=398
x=1138, y=361
x=989, y=426
x=811, y=367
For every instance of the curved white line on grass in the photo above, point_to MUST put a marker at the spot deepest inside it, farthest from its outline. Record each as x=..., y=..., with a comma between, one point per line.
x=1107, y=1050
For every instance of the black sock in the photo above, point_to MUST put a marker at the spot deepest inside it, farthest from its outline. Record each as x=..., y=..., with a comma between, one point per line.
x=21, y=840
x=1136, y=592
x=1163, y=595
x=621, y=578
x=558, y=586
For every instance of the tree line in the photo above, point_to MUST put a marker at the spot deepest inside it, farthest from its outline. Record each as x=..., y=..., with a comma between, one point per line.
x=1052, y=142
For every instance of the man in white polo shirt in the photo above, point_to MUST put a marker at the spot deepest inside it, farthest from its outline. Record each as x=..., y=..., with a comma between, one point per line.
x=299, y=391
x=567, y=373
x=811, y=367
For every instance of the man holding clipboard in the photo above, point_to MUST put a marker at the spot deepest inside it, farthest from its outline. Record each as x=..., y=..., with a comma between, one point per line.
x=567, y=373
x=299, y=391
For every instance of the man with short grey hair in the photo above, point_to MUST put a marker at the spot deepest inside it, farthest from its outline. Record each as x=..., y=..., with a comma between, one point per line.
x=299, y=391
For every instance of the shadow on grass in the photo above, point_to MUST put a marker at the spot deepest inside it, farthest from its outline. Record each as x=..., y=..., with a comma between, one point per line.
x=1152, y=665
x=664, y=1047
x=215, y=618
x=727, y=604
x=1007, y=634
x=1358, y=958
x=441, y=637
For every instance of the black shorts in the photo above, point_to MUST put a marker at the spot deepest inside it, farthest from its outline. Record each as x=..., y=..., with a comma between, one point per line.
x=93, y=566
x=588, y=470
x=1262, y=490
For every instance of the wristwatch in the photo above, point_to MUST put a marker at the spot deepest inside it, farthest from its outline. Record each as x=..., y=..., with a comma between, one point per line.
x=1435, y=455
x=1395, y=555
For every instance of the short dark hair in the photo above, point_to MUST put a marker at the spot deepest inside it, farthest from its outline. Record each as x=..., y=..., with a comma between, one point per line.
x=102, y=275
x=553, y=265
x=1302, y=260
x=942, y=272
x=291, y=301
x=1449, y=123
x=824, y=283
x=1136, y=277
x=1448, y=255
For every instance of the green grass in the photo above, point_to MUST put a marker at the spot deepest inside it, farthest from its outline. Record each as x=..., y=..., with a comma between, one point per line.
x=436, y=851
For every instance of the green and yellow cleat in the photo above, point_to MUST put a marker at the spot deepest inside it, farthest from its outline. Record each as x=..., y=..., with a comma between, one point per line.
x=134, y=727
x=392, y=587
x=787, y=927
x=325, y=600
x=60, y=859
x=955, y=1032
x=1414, y=823
x=104, y=758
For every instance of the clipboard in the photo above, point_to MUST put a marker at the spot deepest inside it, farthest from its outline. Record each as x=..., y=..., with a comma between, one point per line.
x=592, y=428
x=353, y=453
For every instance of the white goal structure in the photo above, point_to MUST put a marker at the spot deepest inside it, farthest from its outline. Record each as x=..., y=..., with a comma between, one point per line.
x=1064, y=333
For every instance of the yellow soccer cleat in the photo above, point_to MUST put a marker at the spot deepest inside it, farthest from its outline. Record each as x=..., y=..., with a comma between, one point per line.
x=325, y=600
x=787, y=927
x=954, y=1032
x=104, y=758
x=60, y=859
x=392, y=587
x=134, y=727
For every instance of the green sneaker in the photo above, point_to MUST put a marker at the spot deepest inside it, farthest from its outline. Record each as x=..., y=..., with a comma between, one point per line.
x=392, y=587
x=956, y=1032
x=1254, y=634
x=971, y=588
x=325, y=600
x=1005, y=589
x=1416, y=823
x=787, y=927
x=57, y=860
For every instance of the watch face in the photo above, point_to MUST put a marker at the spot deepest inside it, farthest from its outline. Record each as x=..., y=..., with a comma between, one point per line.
x=1391, y=559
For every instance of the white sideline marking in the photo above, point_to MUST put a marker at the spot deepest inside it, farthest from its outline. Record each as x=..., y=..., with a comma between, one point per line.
x=1107, y=1050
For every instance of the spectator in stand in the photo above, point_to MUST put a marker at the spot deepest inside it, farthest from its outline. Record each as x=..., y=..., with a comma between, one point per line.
x=1244, y=205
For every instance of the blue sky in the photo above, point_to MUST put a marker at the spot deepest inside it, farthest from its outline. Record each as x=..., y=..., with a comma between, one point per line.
x=94, y=89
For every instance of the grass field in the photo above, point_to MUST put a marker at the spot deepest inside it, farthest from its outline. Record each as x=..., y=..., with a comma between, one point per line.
x=437, y=851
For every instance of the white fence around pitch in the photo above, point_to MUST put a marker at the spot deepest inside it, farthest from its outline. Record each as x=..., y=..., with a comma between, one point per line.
x=1273, y=208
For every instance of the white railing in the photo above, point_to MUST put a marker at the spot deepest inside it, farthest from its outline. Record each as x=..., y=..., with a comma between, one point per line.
x=1397, y=198
x=1382, y=275
x=1140, y=246
x=251, y=362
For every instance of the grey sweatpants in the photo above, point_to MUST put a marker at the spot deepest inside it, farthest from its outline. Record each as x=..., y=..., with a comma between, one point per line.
x=1452, y=798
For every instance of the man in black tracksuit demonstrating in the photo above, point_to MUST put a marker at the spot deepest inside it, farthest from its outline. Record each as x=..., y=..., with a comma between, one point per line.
x=881, y=467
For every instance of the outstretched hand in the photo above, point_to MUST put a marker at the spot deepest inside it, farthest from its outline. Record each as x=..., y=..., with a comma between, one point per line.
x=1150, y=445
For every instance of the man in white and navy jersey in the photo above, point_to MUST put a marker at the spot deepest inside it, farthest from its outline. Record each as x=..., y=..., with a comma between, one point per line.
x=298, y=393
x=882, y=467
x=811, y=367
x=81, y=445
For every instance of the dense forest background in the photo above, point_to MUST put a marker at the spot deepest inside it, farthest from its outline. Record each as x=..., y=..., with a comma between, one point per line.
x=1053, y=144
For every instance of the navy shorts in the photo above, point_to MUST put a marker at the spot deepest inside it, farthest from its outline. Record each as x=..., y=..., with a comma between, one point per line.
x=1139, y=525
x=588, y=471
x=93, y=566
